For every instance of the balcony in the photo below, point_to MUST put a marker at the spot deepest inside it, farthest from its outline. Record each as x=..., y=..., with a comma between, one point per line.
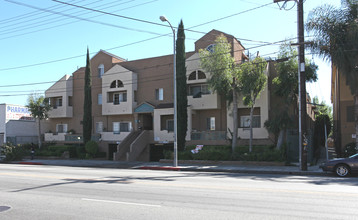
x=68, y=138
x=61, y=112
x=60, y=96
x=204, y=101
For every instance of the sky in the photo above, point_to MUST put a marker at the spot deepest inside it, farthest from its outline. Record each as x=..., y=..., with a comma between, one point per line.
x=43, y=40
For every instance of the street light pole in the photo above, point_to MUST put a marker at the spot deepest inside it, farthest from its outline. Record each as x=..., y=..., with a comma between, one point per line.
x=175, y=161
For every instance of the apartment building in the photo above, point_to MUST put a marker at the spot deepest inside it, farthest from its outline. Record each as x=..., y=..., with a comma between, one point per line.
x=132, y=104
x=343, y=110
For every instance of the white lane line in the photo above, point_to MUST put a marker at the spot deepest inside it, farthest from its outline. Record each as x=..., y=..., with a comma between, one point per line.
x=118, y=202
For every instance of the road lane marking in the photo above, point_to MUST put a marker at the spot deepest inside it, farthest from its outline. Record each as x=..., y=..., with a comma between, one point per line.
x=123, y=203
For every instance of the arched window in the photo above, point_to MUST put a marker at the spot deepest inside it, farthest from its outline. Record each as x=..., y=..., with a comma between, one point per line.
x=211, y=48
x=192, y=76
x=197, y=75
x=113, y=84
x=119, y=83
x=100, y=70
x=201, y=75
x=116, y=84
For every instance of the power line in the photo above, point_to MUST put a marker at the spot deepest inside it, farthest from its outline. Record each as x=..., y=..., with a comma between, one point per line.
x=30, y=14
x=149, y=67
x=108, y=13
x=145, y=79
x=74, y=17
x=133, y=43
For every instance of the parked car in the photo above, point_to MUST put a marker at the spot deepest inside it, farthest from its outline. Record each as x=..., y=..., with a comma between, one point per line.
x=342, y=166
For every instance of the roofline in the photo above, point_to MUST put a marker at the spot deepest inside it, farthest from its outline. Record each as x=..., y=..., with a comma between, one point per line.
x=109, y=54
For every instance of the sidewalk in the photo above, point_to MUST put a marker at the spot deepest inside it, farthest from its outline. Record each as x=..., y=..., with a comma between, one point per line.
x=197, y=167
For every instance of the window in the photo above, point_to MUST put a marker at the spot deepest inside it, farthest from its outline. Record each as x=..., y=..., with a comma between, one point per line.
x=99, y=99
x=119, y=97
x=192, y=76
x=119, y=127
x=116, y=127
x=167, y=122
x=211, y=48
x=159, y=94
x=113, y=85
x=197, y=90
x=124, y=127
x=70, y=101
x=210, y=123
x=116, y=84
x=61, y=128
x=58, y=102
x=135, y=96
x=100, y=70
x=197, y=75
x=170, y=125
x=99, y=127
x=201, y=75
x=245, y=121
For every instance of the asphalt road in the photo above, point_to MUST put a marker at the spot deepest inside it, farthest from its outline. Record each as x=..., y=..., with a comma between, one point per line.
x=53, y=192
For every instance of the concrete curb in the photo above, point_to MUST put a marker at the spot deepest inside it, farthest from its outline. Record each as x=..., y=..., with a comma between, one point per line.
x=218, y=170
x=160, y=168
x=278, y=172
x=31, y=163
x=186, y=168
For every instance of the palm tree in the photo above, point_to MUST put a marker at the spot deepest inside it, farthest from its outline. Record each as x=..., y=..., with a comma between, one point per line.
x=335, y=33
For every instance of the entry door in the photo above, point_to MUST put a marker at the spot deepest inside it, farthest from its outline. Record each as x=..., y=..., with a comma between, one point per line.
x=147, y=121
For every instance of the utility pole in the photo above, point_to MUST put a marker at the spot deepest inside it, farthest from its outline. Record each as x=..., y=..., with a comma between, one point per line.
x=302, y=140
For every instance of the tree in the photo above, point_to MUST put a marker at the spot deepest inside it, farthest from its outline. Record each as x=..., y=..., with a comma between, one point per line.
x=253, y=81
x=87, y=105
x=182, y=99
x=224, y=75
x=335, y=32
x=322, y=125
x=91, y=149
x=285, y=85
x=39, y=107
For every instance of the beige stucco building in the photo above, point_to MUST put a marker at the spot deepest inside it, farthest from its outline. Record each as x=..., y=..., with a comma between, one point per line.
x=343, y=110
x=132, y=104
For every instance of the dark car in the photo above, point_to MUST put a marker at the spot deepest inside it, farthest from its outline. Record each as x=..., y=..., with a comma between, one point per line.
x=342, y=166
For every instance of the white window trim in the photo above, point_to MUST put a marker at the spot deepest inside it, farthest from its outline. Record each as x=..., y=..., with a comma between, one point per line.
x=247, y=120
x=160, y=94
x=64, y=128
x=99, y=127
x=118, y=125
x=99, y=99
x=212, y=123
x=100, y=70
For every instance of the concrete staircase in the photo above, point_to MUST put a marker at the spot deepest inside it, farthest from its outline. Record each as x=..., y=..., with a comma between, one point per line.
x=133, y=145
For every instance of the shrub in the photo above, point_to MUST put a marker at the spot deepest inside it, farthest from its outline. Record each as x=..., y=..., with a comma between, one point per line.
x=91, y=149
x=350, y=149
x=224, y=153
x=214, y=153
x=12, y=152
x=57, y=151
x=80, y=152
x=101, y=154
x=260, y=153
